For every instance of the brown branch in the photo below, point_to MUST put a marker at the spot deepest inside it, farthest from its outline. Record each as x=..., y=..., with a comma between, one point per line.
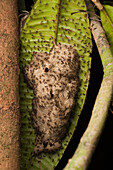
x=98, y=4
x=101, y=8
x=9, y=78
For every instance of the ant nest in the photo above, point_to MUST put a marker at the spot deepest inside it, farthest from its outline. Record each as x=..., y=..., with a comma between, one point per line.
x=54, y=80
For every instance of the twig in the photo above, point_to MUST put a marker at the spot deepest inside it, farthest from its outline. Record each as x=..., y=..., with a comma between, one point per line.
x=98, y=4
x=92, y=134
x=101, y=8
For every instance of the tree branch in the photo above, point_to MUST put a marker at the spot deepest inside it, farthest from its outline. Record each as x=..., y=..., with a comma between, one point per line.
x=92, y=134
x=9, y=91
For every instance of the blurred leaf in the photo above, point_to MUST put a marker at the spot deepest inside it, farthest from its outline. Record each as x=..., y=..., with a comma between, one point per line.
x=107, y=23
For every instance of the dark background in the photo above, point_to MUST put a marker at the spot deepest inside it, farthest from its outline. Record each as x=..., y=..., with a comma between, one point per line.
x=103, y=155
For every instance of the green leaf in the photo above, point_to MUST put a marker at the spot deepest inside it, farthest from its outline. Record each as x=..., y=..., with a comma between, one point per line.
x=45, y=25
x=107, y=23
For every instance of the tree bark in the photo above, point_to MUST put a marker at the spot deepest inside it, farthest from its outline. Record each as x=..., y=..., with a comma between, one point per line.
x=9, y=89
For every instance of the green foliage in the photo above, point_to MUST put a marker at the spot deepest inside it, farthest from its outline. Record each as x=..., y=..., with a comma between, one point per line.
x=107, y=23
x=47, y=24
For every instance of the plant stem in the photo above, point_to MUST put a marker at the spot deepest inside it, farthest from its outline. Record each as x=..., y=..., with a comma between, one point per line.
x=90, y=138
x=101, y=8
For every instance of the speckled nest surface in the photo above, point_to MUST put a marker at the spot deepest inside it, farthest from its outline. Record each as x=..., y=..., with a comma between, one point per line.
x=54, y=79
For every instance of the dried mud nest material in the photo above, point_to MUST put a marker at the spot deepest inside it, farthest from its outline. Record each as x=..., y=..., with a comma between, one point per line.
x=54, y=80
